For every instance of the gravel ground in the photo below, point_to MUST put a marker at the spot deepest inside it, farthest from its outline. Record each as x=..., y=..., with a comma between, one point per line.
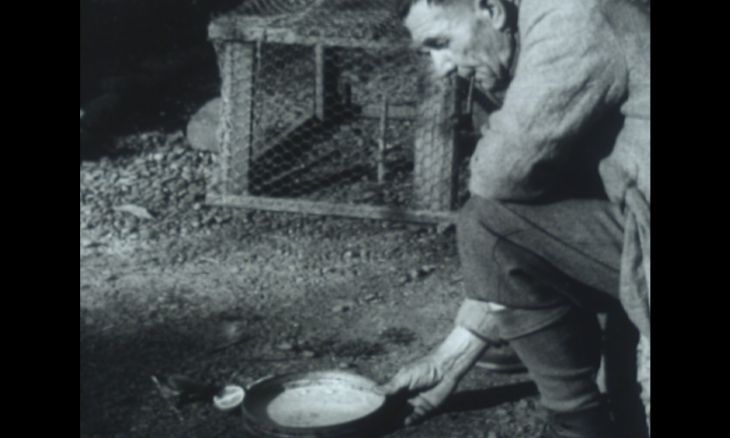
x=170, y=286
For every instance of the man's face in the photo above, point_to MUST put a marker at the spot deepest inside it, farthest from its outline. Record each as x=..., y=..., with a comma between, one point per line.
x=461, y=38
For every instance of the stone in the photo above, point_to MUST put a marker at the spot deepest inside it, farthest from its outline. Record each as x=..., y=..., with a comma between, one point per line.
x=425, y=270
x=285, y=346
x=413, y=274
x=202, y=130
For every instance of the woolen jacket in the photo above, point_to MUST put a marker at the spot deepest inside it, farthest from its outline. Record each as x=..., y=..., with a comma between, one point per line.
x=581, y=88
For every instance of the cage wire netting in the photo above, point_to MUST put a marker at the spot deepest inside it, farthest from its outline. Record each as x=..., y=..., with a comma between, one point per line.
x=327, y=108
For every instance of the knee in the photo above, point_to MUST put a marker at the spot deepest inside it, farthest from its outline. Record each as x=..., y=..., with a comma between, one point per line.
x=515, y=322
x=473, y=239
x=476, y=217
x=481, y=213
x=480, y=227
x=467, y=217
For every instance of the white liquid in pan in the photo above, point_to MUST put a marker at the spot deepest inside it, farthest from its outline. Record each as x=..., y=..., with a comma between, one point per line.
x=318, y=406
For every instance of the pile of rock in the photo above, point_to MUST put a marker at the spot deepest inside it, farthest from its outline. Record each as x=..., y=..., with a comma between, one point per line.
x=160, y=189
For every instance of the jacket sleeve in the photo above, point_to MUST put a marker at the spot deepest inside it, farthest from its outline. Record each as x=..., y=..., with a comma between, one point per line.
x=570, y=70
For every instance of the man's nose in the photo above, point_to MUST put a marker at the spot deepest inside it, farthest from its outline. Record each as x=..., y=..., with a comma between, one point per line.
x=443, y=65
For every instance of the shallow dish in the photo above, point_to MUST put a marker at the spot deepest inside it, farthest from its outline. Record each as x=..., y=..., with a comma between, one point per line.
x=313, y=404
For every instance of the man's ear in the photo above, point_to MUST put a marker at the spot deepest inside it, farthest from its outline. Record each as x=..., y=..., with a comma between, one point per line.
x=493, y=10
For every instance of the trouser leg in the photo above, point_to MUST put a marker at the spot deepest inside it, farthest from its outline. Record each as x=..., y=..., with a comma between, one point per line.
x=542, y=256
x=563, y=359
x=553, y=267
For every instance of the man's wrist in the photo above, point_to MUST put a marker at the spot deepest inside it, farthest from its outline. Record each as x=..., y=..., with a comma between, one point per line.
x=479, y=318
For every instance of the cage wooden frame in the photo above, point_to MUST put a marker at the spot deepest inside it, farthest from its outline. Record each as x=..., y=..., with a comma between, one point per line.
x=238, y=40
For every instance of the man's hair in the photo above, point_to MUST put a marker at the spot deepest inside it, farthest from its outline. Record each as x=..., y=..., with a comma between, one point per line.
x=405, y=5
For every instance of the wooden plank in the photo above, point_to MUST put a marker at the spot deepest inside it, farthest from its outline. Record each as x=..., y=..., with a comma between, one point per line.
x=326, y=95
x=288, y=36
x=319, y=82
x=237, y=62
x=253, y=29
x=330, y=209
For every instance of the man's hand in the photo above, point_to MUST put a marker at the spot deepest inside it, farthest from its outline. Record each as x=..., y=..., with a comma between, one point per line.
x=434, y=377
x=424, y=379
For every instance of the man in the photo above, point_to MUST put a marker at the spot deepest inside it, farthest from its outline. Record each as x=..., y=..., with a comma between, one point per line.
x=541, y=252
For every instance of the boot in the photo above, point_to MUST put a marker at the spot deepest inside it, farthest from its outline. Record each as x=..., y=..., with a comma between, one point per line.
x=501, y=358
x=591, y=423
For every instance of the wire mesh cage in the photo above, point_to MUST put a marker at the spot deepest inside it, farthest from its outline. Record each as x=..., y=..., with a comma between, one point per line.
x=327, y=109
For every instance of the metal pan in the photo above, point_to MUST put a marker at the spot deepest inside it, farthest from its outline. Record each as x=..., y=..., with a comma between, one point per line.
x=316, y=404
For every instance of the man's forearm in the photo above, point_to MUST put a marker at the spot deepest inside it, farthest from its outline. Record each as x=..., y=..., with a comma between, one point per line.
x=458, y=352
